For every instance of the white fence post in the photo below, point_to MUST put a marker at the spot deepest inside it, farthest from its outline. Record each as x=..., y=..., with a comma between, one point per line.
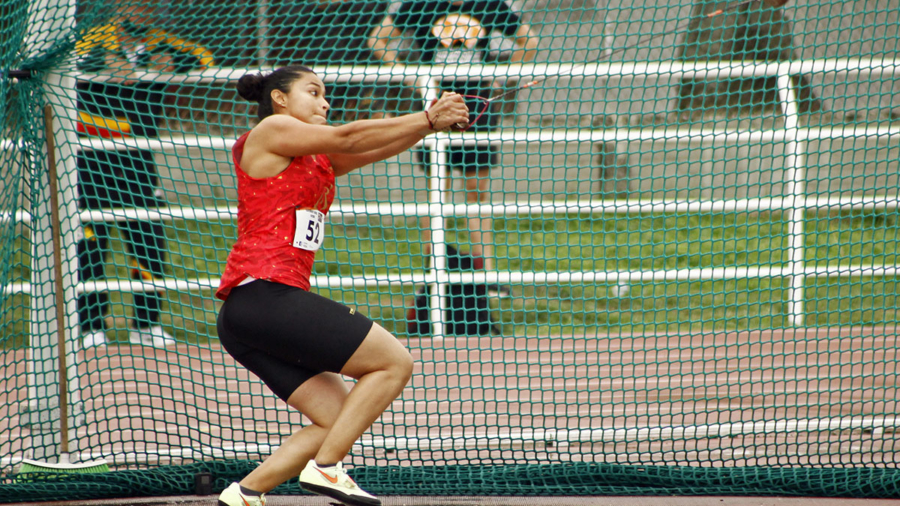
x=437, y=197
x=795, y=193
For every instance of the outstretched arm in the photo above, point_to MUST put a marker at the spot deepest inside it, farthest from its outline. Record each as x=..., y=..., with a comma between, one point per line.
x=440, y=116
x=279, y=138
x=344, y=163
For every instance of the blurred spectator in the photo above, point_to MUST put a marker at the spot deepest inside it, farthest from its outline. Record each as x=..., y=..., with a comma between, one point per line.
x=118, y=106
x=458, y=32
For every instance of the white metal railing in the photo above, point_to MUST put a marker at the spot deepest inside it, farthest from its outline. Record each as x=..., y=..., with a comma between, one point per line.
x=697, y=135
x=722, y=69
x=637, y=206
x=371, y=280
x=791, y=134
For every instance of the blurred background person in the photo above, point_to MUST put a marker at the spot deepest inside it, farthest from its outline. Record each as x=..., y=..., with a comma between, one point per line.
x=118, y=106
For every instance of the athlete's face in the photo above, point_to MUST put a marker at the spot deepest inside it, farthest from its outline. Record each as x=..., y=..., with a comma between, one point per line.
x=306, y=100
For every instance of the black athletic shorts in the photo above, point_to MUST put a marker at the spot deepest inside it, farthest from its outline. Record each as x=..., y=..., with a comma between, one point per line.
x=286, y=335
x=466, y=159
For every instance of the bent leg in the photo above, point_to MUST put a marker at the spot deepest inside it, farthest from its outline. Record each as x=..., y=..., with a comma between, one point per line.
x=320, y=399
x=146, y=245
x=425, y=224
x=480, y=235
x=145, y=239
x=382, y=367
x=91, y=251
x=312, y=334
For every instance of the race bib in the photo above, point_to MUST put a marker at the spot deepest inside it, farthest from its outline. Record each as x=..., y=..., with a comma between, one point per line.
x=310, y=231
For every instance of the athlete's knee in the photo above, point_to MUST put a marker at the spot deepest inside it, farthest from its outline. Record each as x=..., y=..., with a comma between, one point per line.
x=400, y=366
x=404, y=365
x=325, y=424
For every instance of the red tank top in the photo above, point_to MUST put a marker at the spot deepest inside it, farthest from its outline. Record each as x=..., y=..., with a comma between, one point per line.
x=267, y=221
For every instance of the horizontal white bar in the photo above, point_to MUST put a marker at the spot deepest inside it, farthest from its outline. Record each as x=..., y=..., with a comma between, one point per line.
x=372, y=73
x=493, y=277
x=20, y=217
x=13, y=288
x=143, y=456
x=515, y=439
x=207, y=452
x=536, y=135
x=374, y=280
x=673, y=134
x=159, y=214
x=337, y=213
x=621, y=207
x=722, y=430
x=7, y=144
x=166, y=144
x=195, y=284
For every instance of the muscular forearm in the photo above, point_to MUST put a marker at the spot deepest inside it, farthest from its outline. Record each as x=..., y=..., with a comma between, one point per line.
x=287, y=136
x=366, y=136
x=449, y=110
x=344, y=163
x=394, y=148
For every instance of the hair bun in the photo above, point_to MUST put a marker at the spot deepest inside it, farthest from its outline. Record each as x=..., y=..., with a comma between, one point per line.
x=251, y=87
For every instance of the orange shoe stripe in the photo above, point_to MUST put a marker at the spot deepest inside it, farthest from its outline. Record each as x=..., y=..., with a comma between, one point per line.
x=329, y=478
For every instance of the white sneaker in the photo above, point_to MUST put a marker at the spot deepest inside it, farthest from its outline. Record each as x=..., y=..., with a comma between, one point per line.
x=335, y=483
x=151, y=336
x=232, y=496
x=93, y=338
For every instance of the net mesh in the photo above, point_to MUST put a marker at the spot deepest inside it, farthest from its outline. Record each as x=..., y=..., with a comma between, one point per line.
x=679, y=275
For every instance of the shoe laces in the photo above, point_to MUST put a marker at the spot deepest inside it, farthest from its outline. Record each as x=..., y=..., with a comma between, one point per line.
x=343, y=478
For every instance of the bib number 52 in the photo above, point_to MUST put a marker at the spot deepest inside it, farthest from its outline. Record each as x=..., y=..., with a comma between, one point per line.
x=310, y=231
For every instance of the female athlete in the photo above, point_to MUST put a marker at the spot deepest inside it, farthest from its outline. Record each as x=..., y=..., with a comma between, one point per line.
x=297, y=342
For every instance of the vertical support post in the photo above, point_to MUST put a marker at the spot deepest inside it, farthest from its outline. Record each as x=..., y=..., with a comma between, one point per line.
x=437, y=197
x=49, y=20
x=795, y=195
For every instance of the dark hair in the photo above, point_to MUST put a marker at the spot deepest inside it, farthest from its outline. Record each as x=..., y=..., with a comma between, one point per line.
x=258, y=87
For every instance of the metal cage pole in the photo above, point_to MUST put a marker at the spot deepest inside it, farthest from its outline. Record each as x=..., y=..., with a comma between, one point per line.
x=50, y=21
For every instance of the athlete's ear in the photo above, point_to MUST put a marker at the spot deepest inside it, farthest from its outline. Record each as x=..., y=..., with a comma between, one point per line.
x=279, y=98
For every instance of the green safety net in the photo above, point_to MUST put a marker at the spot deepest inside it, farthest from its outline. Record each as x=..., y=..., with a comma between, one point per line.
x=669, y=267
